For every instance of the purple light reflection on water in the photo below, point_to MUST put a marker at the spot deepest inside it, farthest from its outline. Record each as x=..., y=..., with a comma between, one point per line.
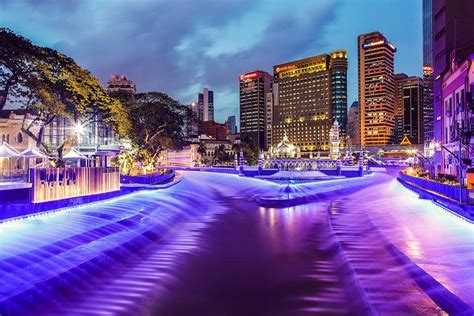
x=225, y=254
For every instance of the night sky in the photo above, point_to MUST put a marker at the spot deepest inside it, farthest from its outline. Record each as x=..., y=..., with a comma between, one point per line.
x=180, y=46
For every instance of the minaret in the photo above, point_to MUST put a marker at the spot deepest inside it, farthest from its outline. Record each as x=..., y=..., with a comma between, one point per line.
x=334, y=140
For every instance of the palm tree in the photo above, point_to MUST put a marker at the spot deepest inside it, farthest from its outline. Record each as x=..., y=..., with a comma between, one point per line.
x=220, y=154
x=202, y=150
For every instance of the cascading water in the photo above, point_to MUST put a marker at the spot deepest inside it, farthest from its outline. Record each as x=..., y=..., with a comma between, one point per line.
x=204, y=247
x=60, y=249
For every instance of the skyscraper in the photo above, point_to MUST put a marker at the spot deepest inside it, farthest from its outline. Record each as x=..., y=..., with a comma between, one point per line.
x=408, y=109
x=427, y=32
x=353, y=129
x=192, y=121
x=428, y=71
x=338, y=69
x=231, y=124
x=309, y=94
x=376, y=89
x=120, y=83
x=269, y=119
x=428, y=119
x=206, y=105
x=254, y=87
x=413, y=109
x=398, y=113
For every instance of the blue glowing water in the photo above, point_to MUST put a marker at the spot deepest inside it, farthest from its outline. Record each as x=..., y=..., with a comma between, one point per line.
x=204, y=247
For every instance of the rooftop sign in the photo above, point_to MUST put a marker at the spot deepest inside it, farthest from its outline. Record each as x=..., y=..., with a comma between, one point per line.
x=249, y=76
x=294, y=71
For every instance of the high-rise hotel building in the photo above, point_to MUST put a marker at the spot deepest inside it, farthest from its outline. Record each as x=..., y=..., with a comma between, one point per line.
x=254, y=88
x=309, y=94
x=338, y=70
x=269, y=119
x=408, y=109
x=376, y=89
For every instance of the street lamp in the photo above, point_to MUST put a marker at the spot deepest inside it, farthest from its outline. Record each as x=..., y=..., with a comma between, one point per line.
x=440, y=146
x=78, y=128
x=418, y=154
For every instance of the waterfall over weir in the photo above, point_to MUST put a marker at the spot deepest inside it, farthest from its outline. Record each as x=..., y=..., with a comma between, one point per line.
x=205, y=247
x=57, y=251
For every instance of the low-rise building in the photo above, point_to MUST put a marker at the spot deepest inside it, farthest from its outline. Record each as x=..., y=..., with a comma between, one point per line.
x=11, y=123
x=214, y=130
x=121, y=83
x=190, y=155
x=457, y=119
x=95, y=140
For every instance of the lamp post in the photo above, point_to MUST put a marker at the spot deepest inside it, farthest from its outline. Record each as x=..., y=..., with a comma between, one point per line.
x=241, y=163
x=420, y=155
x=78, y=130
x=440, y=146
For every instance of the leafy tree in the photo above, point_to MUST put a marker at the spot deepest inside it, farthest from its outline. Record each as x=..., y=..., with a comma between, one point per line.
x=220, y=154
x=156, y=123
x=380, y=153
x=126, y=159
x=49, y=85
x=250, y=150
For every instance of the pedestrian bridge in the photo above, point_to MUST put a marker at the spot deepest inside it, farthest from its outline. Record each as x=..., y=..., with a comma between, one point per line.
x=305, y=164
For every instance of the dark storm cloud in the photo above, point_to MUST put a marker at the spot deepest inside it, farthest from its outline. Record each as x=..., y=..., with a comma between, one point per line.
x=140, y=39
x=286, y=37
x=178, y=47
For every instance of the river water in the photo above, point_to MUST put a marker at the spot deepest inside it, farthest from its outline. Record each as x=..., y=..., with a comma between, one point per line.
x=236, y=258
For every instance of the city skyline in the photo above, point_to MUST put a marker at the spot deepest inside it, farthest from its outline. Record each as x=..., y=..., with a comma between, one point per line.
x=123, y=192
x=216, y=45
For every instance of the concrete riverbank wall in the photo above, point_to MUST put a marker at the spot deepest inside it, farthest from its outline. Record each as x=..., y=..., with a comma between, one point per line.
x=444, y=195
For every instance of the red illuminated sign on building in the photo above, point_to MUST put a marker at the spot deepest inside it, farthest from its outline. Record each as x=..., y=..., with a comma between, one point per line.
x=285, y=68
x=249, y=75
x=428, y=70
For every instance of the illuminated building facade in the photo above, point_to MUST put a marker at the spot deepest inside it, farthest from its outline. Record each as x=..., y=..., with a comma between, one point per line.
x=376, y=89
x=398, y=115
x=254, y=87
x=338, y=70
x=428, y=119
x=413, y=109
x=97, y=140
x=269, y=119
x=428, y=71
x=428, y=32
x=334, y=140
x=307, y=100
x=409, y=113
x=457, y=118
x=121, y=83
x=452, y=25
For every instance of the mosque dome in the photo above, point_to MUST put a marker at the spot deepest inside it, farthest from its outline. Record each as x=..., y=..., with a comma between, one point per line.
x=285, y=149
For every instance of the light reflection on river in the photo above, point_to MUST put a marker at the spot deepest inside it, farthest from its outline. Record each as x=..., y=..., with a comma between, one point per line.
x=247, y=261
x=237, y=258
